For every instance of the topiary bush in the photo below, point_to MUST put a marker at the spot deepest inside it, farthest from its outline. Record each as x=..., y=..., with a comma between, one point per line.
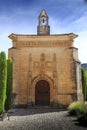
x=74, y=107
x=84, y=83
x=8, y=102
x=3, y=80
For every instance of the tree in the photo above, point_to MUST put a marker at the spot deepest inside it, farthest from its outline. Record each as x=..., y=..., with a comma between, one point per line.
x=9, y=85
x=3, y=79
x=84, y=82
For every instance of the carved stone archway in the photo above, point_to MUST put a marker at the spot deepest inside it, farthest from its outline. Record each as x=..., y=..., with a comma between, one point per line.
x=42, y=93
x=51, y=84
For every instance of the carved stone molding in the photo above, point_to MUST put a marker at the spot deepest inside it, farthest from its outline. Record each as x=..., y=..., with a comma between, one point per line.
x=54, y=66
x=42, y=77
x=42, y=63
x=46, y=78
x=30, y=65
x=43, y=44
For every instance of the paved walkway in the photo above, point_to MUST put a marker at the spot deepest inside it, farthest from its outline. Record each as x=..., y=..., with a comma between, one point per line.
x=40, y=119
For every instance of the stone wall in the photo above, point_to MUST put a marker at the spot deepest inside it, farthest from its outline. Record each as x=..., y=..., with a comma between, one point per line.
x=47, y=58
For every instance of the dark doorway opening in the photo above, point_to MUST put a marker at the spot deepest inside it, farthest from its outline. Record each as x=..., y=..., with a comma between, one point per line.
x=42, y=93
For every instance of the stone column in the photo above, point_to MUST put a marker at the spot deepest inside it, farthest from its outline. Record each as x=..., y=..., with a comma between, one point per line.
x=16, y=77
x=79, y=81
x=55, y=80
x=29, y=81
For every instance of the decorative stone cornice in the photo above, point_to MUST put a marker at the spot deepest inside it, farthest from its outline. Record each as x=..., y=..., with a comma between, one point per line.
x=73, y=48
x=13, y=37
x=56, y=37
x=42, y=44
x=77, y=61
x=42, y=41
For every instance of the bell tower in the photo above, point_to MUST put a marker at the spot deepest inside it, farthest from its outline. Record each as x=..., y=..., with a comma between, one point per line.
x=43, y=28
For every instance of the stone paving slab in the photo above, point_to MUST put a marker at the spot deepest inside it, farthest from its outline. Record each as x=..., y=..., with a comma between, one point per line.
x=40, y=119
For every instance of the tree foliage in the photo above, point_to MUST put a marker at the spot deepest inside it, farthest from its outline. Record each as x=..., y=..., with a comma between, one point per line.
x=84, y=82
x=3, y=79
x=9, y=85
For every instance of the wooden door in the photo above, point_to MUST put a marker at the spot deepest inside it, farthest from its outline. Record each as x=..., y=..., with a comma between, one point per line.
x=42, y=93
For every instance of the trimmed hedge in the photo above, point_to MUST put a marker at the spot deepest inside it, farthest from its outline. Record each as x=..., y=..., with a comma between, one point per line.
x=3, y=80
x=9, y=85
x=84, y=82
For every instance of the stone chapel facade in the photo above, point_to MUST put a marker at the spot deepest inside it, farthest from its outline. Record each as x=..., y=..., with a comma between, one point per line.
x=46, y=69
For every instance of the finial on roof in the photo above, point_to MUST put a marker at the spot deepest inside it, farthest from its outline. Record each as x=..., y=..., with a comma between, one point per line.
x=43, y=14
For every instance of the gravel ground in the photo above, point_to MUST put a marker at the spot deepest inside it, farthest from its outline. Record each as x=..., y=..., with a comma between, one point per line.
x=40, y=119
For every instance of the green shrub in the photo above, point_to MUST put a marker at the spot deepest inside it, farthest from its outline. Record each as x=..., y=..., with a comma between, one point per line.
x=3, y=79
x=9, y=85
x=82, y=116
x=79, y=109
x=84, y=83
x=74, y=107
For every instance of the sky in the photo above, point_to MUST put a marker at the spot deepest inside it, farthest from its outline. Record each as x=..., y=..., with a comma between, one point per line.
x=65, y=16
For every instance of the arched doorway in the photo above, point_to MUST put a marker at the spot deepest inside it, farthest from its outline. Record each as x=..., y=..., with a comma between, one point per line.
x=42, y=93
